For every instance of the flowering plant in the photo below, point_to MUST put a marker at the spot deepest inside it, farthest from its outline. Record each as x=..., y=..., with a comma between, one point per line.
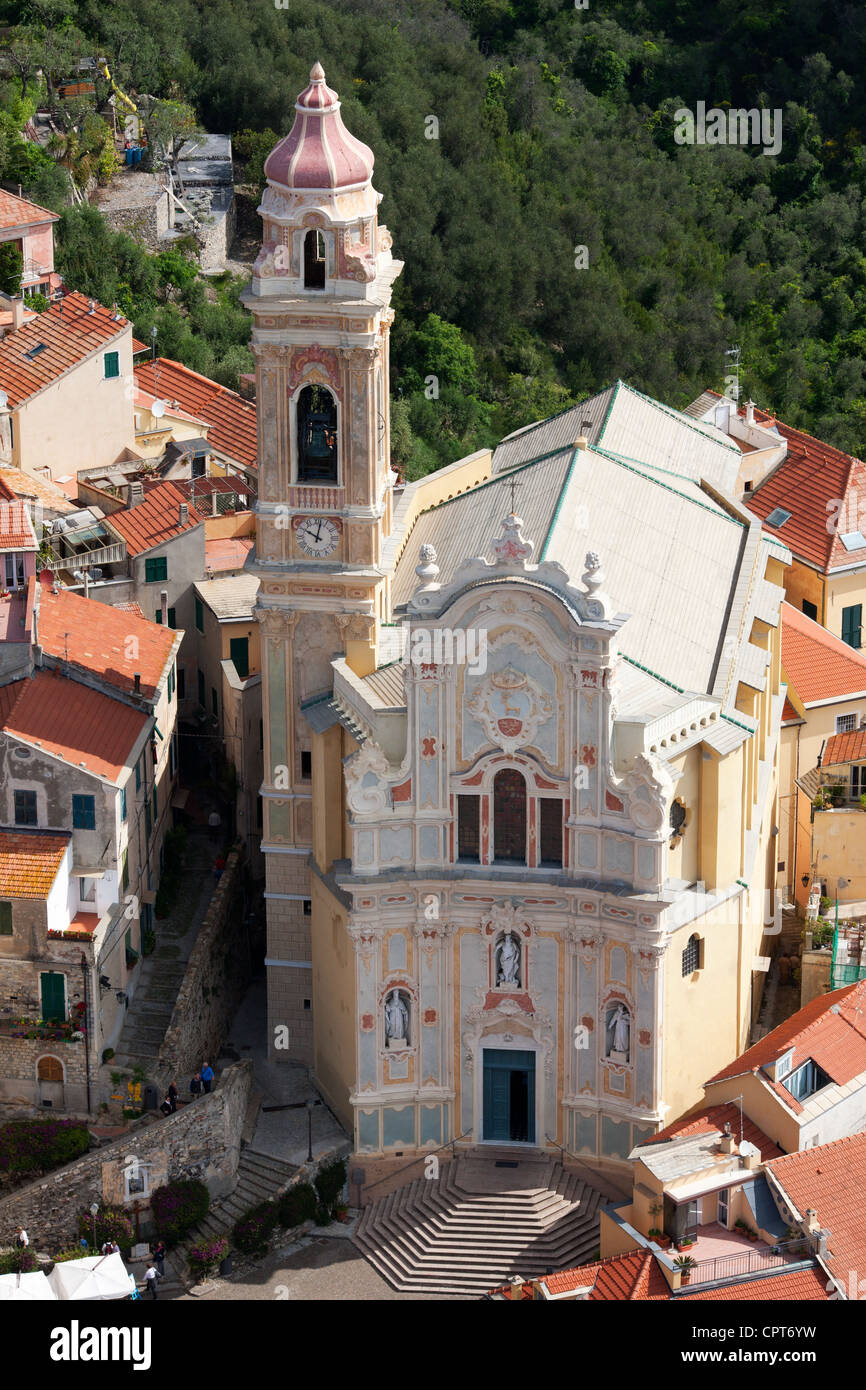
x=204, y=1258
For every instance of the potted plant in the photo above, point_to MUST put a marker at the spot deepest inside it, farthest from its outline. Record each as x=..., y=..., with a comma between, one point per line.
x=341, y=1212
x=685, y=1264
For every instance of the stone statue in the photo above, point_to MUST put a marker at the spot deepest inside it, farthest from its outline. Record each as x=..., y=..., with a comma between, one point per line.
x=619, y=1030
x=396, y=1018
x=509, y=961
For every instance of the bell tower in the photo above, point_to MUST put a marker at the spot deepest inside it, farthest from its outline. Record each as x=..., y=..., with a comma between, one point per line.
x=320, y=299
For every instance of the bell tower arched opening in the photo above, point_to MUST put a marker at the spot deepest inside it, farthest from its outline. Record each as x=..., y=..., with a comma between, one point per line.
x=314, y=261
x=317, y=436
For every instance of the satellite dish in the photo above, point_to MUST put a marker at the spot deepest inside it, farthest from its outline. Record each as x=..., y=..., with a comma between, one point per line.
x=744, y=1148
x=157, y=410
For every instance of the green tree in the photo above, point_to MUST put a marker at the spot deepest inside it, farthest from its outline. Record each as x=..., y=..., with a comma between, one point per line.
x=11, y=266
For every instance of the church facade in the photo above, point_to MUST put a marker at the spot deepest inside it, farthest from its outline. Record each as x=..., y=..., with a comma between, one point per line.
x=521, y=726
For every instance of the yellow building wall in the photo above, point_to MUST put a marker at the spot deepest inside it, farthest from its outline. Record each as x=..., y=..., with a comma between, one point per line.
x=334, y=1059
x=684, y=858
x=761, y=1107
x=788, y=794
x=613, y=1239
x=800, y=583
x=229, y=525
x=244, y=627
x=842, y=591
x=839, y=851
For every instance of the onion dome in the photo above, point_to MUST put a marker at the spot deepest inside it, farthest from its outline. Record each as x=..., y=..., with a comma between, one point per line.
x=319, y=153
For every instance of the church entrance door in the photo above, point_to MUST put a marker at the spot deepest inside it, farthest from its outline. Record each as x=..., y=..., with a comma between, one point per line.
x=509, y=1096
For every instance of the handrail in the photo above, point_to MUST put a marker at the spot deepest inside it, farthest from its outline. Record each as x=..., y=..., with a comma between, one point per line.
x=449, y=1144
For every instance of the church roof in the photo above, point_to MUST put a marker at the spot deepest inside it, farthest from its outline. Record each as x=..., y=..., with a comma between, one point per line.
x=319, y=153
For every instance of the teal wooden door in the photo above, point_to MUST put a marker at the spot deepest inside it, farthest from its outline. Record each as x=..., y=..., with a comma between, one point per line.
x=509, y=1096
x=54, y=996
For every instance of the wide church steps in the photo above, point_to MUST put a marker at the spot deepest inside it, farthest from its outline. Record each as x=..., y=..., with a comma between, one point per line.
x=476, y=1225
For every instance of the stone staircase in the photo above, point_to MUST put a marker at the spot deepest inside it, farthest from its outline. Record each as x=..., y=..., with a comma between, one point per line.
x=478, y=1223
x=259, y=1178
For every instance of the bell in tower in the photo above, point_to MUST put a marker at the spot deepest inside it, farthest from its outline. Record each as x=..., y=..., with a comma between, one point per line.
x=317, y=436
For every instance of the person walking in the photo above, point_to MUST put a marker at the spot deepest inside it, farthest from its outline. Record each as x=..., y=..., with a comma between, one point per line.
x=166, y=1106
x=110, y=1247
x=158, y=1258
x=207, y=1076
x=22, y=1240
x=172, y=1096
x=195, y=1086
x=218, y=866
x=151, y=1279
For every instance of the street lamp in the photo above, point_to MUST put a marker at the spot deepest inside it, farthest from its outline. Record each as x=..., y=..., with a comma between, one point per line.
x=310, y=1104
x=94, y=1209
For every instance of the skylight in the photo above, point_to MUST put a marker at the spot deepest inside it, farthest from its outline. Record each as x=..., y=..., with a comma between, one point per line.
x=35, y=351
x=778, y=516
x=853, y=540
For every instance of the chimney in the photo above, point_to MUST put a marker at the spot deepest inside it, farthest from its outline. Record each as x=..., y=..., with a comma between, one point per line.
x=811, y=1220
x=137, y=682
x=183, y=513
x=750, y=412
x=752, y=1159
x=134, y=494
x=516, y=1288
x=17, y=313
x=727, y=1143
x=581, y=442
x=163, y=604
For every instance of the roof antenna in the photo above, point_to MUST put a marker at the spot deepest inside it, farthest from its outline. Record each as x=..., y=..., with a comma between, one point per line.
x=739, y=1098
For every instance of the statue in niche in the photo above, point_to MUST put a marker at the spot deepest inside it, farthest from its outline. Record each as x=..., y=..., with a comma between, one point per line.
x=508, y=962
x=396, y=1020
x=618, y=1033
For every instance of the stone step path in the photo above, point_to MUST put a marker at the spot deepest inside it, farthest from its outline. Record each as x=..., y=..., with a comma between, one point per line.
x=476, y=1225
x=260, y=1177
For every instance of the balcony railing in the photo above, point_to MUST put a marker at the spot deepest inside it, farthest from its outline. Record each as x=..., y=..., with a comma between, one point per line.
x=87, y=559
x=725, y=1267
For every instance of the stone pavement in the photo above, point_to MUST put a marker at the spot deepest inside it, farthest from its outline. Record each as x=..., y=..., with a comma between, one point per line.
x=279, y=1133
x=162, y=971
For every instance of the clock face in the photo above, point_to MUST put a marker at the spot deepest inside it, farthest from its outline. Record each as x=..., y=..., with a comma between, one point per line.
x=317, y=536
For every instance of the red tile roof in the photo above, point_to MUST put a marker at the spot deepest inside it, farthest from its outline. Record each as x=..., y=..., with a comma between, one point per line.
x=227, y=552
x=129, y=608
x=155, y=520
x=802, y=1285
x=832, y=1180
x=231, y=420
x=831, y=1030
x=76, y=723
x=845, y=748
x=14, y=482
x=789, y=714
x=100, y=639
x=712, y=1119
x=818, y=665
x=29, y=863
x=16, y=528
x=202, y=489
x=65, y=334
x=17, y=212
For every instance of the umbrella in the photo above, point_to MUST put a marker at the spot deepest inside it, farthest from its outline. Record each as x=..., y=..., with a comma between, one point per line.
x=94, y=1277
x=26, y=1288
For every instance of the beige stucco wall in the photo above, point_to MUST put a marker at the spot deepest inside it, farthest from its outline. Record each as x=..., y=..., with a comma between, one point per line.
x=843, y=590
x=839, y=851
x=761, y=1106
x=81, y=420
x=334, y=1006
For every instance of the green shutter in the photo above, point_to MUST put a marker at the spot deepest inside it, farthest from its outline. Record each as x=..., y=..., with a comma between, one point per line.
x=5, y=919
x=239, y=649
x=851, y=623
x=155, y=569
x=54, y=996
x=112, y=365
x=199, y=616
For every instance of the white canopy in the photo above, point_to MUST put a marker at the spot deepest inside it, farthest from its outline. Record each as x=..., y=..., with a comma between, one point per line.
x=94, y=1277
x=26, y=1288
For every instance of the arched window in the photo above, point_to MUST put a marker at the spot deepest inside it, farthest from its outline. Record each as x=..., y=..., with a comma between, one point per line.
x=317, y=436
x=314, y=261
x=49, y=1069
x=509, y=817
x=693, y=955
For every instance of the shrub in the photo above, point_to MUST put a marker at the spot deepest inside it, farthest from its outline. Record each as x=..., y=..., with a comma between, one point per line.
x=204, y=1258
x=322, y=1216
x=29, y=1146
x=297, y=1205
x=252, y=1231
x=109, y=1224
x=177, y=1207
x=73, y=1252
x=107, y=1054
x=18, y=1261
x=330, y=1182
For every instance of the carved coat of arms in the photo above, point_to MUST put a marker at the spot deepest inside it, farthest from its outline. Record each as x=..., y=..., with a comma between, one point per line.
x=510, y=706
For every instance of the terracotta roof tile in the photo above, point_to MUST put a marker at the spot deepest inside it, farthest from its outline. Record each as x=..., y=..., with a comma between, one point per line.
x=16, y=528
x=17, y=212
x=232, y=420
x=832, y=1180
x=76, y=723
x=154, y=520
x=802, y=1285
x=227, y=553
x=831, y=1030
x=845, y=748
x=818, y=665
x=97, y=638
x=789, y=713
x=41, y=351
x=16, y=483
x=29, y=863
x=712, y=1119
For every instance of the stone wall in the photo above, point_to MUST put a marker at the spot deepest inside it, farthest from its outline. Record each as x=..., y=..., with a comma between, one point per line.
x=217, y=975
x=201, y=1141
x=19, y=1085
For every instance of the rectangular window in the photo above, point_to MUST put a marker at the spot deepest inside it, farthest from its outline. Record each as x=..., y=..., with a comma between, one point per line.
x=155, y=569
x=5, y=919
x=10, y=572
x=181, y=684
x=308, y=907
x=201, y=688
x=172, y=756
x=124, y=877
x=306, y=767
x=155, y=806
x=147, y=823
x=810, y=610
x=845, y=723
x=122, y=804
x=550, y=830
x=214, y=703
x=111, y=362
x=87, y=890
x=138, y=776
x=851, y=622
x=83, y=813
x=171, y=614
x=25, y=808
x=468, y=818
x=239, y=650
x=199, y=614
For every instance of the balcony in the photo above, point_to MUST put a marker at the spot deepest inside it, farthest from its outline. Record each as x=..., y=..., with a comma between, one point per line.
x=73, y=553
x=42, y=1029
x=723, y=1256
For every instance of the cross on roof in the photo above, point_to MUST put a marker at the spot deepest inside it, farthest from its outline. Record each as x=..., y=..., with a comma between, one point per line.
x=514, y=484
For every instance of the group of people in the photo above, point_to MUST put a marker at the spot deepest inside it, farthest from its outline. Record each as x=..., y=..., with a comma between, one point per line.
x=199, y=1085
x=156, y=1269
